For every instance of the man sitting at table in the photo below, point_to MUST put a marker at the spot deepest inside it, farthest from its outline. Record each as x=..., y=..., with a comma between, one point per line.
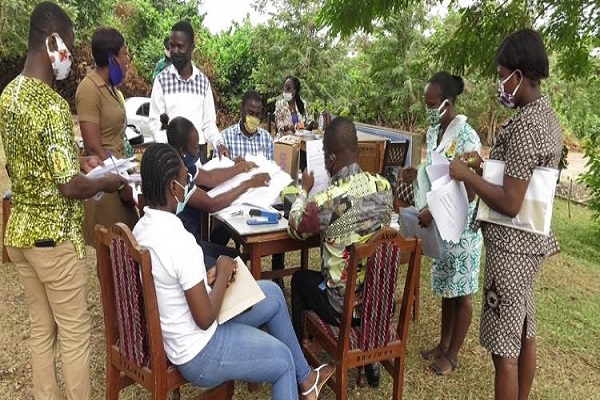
x=354, y=206
x=247, y=137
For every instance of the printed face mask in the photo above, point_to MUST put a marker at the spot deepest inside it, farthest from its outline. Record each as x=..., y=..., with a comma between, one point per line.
x=115, y=73
x=187, y=193
x=287, y=96
x=251, y=124
x=60, y=58
x=507, y=99
x=434, y=115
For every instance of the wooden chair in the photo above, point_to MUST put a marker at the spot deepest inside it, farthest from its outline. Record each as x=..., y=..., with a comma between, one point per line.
x=376, y=339
x=134, y=343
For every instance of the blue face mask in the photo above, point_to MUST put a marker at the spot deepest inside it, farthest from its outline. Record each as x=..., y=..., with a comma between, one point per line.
x=115, y=73
x=187, y=193
x=189, y=160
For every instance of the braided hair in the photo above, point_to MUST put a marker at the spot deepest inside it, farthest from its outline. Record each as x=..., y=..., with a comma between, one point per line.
x=160, y=165
x=299, y=102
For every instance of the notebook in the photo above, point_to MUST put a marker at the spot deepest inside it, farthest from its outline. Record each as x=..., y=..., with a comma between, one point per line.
x=241, y=294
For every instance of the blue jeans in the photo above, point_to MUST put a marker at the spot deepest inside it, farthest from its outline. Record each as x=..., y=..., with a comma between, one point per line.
x=240, y=351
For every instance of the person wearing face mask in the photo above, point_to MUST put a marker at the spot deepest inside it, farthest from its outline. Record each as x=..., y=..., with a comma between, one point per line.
x=291, y=111
x=455, y=275
x=189, y=299
x=183, y=136
x=43, y=234
x=165, y=60
x=354, y=206
x=101, y=113
x=247, y=137
x=532, y=138
x=181, y=90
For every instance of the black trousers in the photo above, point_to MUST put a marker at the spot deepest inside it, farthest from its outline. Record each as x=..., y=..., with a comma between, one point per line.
x=308, y=296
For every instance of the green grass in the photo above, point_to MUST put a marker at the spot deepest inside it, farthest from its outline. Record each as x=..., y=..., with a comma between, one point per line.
x=568, y=311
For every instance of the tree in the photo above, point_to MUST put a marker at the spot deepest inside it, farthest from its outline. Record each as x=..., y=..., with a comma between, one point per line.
x=571, y=27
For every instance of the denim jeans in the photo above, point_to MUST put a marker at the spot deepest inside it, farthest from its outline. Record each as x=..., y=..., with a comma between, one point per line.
x=240, y=351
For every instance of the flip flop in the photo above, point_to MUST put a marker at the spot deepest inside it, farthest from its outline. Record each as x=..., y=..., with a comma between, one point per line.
x=437, y=369
x=319, y=381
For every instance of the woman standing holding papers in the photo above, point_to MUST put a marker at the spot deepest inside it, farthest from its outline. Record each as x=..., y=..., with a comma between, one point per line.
x=189, y=300
x=101, y=113
x=532, y=138
x=454, y=277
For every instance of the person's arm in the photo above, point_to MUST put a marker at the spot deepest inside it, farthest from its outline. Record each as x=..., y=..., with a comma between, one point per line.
x=157, y=107
x=309, y=217
x=209, y=124
x=197, y=296
x=506, y=199
x=90, y=133
x=80, y=187
x=202, y=201
x=217, y=176
x=269, y=147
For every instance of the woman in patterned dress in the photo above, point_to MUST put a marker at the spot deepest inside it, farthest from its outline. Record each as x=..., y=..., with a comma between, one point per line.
x=532, y=138
x=455, y=276
x=291, y=111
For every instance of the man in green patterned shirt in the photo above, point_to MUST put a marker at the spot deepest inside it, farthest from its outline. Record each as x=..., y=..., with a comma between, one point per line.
x=43, y=234
x=354, y=206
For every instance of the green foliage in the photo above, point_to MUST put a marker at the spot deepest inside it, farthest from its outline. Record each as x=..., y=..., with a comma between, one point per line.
x=234, y=59
x=145, y=27
x=571, y=28
x=591, y=178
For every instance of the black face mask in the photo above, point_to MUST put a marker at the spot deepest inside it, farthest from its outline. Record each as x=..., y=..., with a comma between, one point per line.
x=179, y=61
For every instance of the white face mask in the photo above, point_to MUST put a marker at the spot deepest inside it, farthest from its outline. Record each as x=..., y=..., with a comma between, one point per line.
x=61, y=58
x=187, y=193
x=287, y=96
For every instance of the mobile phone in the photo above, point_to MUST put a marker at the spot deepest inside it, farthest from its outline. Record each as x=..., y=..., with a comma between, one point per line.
x=261, y=221
x=44, y=243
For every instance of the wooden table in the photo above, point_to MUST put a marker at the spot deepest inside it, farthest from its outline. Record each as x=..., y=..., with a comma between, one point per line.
x=257, y=245
x=371, y=151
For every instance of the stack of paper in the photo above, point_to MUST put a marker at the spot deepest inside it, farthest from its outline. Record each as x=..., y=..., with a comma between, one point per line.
x=447, y=200
x=261, y=196
x=112, y=166
x=430, y=237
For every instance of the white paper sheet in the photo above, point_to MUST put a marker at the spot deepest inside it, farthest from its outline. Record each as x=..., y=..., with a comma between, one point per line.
x=409, y=227
x=216, y=163
x=112, y=166
x=315, y=163
x=261, y=196
x=449, y=206
x=536, y=212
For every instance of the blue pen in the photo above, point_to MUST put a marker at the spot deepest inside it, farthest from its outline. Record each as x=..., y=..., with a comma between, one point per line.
x=113, y=160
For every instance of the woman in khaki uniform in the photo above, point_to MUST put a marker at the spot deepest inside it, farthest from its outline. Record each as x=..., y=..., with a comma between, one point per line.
x=101, y=112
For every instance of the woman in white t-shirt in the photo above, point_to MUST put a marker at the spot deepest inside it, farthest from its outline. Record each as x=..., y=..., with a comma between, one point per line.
x=206, y=353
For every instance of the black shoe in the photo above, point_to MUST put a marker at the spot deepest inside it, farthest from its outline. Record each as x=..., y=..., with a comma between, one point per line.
x=372, y=374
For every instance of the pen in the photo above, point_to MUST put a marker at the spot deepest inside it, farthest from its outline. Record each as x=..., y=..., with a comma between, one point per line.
x=122, y=185
x=113, y=160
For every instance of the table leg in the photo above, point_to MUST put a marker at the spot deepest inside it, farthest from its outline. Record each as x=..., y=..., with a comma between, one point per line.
x=254, y=250
x=304, y=258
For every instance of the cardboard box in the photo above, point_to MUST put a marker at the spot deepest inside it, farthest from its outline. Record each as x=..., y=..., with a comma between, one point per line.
x=287, y=150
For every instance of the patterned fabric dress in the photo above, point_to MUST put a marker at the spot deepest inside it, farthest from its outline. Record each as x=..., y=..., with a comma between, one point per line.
x=457, y=274
x=513, y=257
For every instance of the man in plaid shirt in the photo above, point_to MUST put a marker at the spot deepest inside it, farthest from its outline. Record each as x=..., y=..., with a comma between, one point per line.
x=181, y=90
x=247, y=137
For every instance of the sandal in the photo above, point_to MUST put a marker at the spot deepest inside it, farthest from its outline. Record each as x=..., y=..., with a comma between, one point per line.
x=432, y=354
x=319, y=381
x=436, y=368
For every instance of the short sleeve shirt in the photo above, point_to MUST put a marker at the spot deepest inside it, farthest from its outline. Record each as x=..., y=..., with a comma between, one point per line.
x=41, y=153
x=99, y=103
x=532, y=138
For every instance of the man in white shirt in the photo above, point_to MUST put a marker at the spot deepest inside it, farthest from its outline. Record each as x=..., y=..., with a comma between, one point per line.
x=181, y=90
